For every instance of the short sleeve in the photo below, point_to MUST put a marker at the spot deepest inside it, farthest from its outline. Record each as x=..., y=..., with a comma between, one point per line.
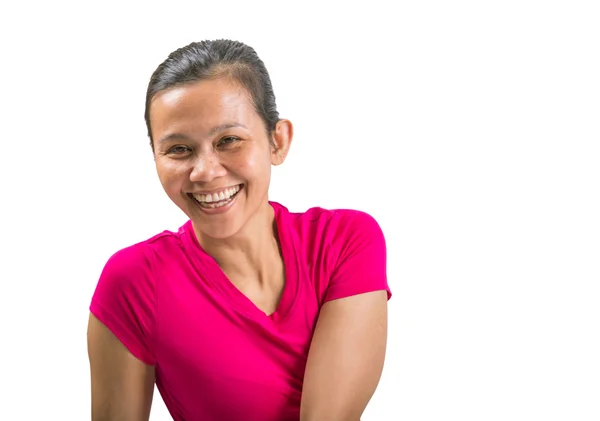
x=361, y=257
x=124, y=301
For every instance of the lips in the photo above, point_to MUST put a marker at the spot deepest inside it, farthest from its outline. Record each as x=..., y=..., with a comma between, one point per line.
x=217, y=199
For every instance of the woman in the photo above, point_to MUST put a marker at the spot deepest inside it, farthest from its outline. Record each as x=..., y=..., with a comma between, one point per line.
x=248, y=311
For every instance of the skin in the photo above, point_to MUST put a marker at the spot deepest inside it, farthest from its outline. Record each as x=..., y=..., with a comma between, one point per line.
x=207, y=136
x=122, y=385
x=338, y=384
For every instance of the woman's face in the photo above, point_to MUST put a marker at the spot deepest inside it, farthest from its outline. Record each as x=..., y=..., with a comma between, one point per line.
x=213, y=154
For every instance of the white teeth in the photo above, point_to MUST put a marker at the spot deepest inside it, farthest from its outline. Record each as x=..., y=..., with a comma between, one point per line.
x=215, y=205
x=217, y=197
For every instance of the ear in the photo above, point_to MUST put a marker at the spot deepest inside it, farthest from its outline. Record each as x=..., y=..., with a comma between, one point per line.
x=282, y=139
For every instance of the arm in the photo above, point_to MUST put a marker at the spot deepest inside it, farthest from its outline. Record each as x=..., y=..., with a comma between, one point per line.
x=346, y=358
x=122, y=385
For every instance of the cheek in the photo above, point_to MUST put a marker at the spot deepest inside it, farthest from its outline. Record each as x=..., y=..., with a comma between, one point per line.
x=170, y=173
x=254, y=165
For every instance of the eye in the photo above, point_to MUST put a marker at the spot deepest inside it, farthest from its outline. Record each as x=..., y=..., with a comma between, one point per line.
x=227, y=140
x=178, y=150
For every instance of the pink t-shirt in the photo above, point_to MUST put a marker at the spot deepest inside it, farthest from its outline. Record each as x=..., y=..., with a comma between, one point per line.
x=217, y=356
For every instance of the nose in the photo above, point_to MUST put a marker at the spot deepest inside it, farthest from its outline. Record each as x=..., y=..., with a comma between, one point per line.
x=206, y=168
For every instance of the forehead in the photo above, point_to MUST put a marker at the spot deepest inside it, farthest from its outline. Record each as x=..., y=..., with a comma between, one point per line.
x=201, y=104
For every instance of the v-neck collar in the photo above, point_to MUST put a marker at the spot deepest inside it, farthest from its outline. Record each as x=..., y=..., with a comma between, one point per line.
x=212, y=273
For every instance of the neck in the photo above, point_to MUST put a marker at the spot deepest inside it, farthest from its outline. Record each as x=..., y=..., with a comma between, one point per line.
x=250, y=252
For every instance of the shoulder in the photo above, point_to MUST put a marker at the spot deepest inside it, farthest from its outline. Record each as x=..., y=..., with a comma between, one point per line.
x=356, y=234
x=347, y=249
x=350, y=223
x=132, y=265
x=127, y=270
x=158, y=243
x=127, y=282
x=336, y=226
x=124, y=299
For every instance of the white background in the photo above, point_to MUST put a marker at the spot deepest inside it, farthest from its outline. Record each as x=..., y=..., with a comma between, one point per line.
x=469, y=129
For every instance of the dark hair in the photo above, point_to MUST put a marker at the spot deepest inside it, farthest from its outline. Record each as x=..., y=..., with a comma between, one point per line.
x=207, y=60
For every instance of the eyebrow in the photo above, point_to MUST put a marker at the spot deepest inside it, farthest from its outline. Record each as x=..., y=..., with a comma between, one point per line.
x=214, y=130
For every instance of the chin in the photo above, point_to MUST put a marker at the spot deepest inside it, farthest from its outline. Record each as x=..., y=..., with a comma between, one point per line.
x=218, y=226
x=224, y=221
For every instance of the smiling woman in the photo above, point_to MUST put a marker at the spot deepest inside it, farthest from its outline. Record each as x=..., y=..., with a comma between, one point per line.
x=248, y=311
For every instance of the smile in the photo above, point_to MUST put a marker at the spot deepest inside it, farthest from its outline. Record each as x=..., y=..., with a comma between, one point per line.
x=217, y=199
